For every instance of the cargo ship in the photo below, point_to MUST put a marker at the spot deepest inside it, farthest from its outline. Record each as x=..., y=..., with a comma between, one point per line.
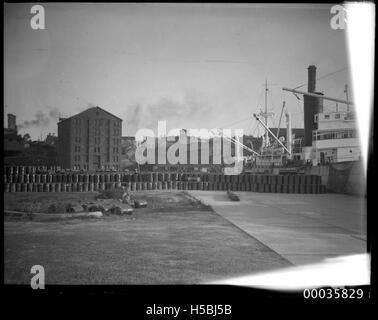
x=330, y=146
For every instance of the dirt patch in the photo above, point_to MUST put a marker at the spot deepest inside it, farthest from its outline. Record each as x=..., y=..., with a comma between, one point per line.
x=45, y=202
x=63, y=202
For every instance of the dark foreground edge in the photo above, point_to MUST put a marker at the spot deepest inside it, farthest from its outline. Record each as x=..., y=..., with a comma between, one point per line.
x=137, y=298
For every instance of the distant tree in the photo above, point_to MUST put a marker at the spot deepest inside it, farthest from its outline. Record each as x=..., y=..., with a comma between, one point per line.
x=26, y=137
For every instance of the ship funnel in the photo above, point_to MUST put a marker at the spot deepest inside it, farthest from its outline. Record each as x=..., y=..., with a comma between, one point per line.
x=311, y=85
x=312, y=106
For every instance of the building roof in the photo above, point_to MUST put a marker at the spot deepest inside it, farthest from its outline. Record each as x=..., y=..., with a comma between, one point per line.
x=97, y=107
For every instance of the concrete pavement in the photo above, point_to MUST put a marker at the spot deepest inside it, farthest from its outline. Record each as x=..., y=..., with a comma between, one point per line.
x=303, y=228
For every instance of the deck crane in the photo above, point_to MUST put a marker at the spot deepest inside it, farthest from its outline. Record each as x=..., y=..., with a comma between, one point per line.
x=258, y=118
x=347, y=102
x=233, y=140
x=279, y=122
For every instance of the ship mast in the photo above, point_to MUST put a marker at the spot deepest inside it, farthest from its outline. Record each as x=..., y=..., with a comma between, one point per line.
x=266, y=113
x=264, y=116
x=347, y=98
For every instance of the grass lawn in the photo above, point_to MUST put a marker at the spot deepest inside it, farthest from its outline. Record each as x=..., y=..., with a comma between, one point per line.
x=175, y=240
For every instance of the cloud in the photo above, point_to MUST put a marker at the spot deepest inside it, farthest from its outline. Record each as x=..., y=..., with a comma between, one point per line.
x=188, y=111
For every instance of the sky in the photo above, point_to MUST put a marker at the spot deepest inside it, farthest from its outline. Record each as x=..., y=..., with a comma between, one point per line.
x=193, y=65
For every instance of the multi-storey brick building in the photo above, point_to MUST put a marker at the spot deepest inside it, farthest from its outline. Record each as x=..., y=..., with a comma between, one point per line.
x=90, y=140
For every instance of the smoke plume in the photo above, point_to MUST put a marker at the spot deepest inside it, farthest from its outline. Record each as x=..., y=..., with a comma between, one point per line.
x=42, y=119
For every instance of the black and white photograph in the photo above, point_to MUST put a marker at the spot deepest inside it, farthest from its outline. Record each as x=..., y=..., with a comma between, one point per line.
x=211, y=144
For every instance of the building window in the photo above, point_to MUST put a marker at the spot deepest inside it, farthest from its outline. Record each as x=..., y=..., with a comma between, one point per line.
x=326, y=116
x=337, y=116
